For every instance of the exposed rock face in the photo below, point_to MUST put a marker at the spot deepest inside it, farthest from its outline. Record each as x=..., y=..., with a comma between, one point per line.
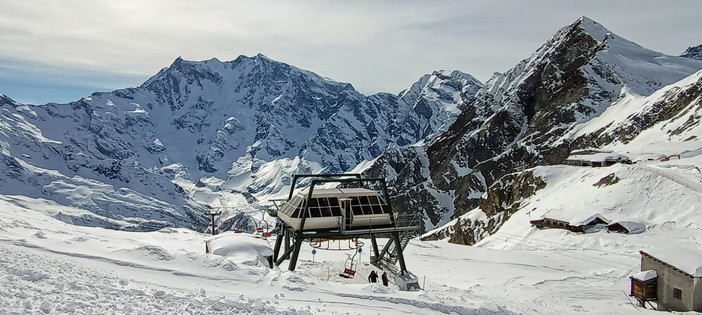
x=682, y=101
x=694, y=52
x=529, y=116
x=366, y=130
x=503, y=198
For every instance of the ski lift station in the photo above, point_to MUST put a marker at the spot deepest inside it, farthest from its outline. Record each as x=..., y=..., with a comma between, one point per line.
x=349, y=211
x=337, y=209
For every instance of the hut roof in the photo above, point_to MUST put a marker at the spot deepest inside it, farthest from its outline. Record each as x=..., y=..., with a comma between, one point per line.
x=633, y=227
x=645, y=275
x=598, y=157
x=584, y=220
x=574, y=218
x=687, y=259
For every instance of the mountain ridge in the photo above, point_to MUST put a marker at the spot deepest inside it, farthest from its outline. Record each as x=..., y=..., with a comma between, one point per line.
x=242, y=126
x=693, y=52
x=519, y=118
x=205, y=133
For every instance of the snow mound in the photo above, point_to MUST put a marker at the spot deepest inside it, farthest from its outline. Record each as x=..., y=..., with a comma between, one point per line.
x=241, y=248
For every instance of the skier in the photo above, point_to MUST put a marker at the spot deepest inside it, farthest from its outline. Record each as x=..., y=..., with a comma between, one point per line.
x=385, y=278
x=373, y=277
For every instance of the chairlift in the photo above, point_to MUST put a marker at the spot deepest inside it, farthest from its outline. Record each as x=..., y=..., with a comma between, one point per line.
x=350, y=266
x=324, y=243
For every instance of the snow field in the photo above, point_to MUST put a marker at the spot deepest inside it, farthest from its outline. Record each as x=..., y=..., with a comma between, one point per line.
x=47, y=266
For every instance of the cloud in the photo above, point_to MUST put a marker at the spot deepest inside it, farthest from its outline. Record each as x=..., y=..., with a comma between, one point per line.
x=375, y=45
x=38, y=83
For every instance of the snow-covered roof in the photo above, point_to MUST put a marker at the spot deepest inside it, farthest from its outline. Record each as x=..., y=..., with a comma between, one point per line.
x=649, y=157
x=582, y=220
x=590, y=151
x=632, y=226
x=598, y=157
x=687, y=259
x=645, y=275
x=574, y=218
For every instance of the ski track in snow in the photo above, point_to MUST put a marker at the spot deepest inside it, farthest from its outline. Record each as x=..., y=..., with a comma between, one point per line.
x=669, y=172
x=42, y=280
x=39, y=283
x=109, y=260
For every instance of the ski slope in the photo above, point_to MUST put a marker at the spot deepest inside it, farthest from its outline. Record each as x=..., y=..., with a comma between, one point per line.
x=48, y=266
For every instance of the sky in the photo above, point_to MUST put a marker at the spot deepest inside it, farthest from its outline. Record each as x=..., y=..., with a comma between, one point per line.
x=62, y=50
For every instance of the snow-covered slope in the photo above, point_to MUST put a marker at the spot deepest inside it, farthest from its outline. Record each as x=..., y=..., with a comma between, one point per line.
x=53, y=267
x=645, y=192
x=48, y=266
x=664, y=125
x=670, y=114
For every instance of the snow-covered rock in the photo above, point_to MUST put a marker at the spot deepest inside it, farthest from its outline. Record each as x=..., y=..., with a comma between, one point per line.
x=694, y=52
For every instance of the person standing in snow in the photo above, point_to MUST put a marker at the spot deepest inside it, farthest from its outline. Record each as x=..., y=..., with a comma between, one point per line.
x=373, y=277
x=385, y=278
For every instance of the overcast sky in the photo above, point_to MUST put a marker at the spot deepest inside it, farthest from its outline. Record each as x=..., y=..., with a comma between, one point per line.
x=55, y=50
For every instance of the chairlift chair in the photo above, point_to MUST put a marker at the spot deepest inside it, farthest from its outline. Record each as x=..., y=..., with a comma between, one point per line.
x=349, y=266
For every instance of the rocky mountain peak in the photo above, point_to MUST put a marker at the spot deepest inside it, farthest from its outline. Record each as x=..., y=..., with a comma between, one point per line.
x=465, y=80
x=259, y=70
x=591, y=27
x=694, y=52
x=5, y=100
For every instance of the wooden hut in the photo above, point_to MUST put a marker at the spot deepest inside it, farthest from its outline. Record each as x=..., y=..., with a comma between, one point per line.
x=578, y=223
x=595, y=158
x=627, y=227
x=644, y=287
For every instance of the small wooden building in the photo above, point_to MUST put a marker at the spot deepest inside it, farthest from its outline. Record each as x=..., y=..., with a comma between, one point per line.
x=644, y=287
x=627, y=227
x=547, y=222
x=595, y=158
x=578, y=224
x=677, y=282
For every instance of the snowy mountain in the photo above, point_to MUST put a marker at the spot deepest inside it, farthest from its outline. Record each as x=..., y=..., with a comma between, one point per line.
x=228, y=135
x=219, y=134
x=481, y=162
x=694, y=52
x=532, y=115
